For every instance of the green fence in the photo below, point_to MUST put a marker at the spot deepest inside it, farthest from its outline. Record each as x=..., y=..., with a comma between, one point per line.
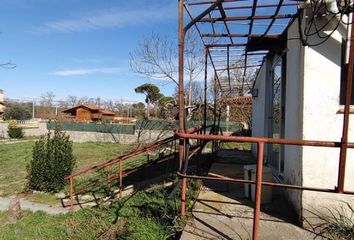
x=173, y=125
x=139, y=125
x=93, y=127
x=156, y=125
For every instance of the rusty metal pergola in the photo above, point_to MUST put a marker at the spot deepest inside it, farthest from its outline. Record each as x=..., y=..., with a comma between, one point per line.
x=238, y=34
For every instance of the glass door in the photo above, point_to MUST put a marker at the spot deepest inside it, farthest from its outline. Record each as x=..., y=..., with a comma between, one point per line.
x=276, y=120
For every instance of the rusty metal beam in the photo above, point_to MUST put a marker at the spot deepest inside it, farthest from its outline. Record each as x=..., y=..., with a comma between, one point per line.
x=205, y=86
x=257, y=204
x=273, y=19
x=238, y=67
x=313, y=143
x=200, y=16
x=248, y=41
x=209, y=2
x=228, y=67
x=181, y=104
x=242, y=18
x=240, y=35
x=212, y=24
x=199, y=32
x=348, y=97
x=271, y=184
x=223, y=15
x=261, y=6
x=236, y=55
x=181, y=123
x=213, y=45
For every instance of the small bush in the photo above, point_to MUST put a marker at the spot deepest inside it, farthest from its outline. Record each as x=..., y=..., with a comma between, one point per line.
x=14, y=131
x=52, y=160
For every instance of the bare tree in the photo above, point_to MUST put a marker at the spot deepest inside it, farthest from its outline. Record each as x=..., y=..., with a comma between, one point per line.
x=193, y=67
x=63, y=104
x=72, y=100
x=83, y=100
x=241, y=81
x=108, y=104
x=47, y=99
x=156, y=57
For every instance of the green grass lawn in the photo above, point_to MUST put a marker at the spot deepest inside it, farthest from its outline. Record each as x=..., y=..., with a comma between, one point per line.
x=145, y=215
x=14, y=158
x=236, y=145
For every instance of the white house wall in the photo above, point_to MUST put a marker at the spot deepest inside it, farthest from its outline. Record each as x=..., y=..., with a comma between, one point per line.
x=293, y=115
x=321, y=121
x=311, y=113
x=258, y=110
x=259, y=107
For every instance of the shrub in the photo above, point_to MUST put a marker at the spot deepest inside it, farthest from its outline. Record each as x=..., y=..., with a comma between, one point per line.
x=52, y=160
x=14, y=131
x=16, y=111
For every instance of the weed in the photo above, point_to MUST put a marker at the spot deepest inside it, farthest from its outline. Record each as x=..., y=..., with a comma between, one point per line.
x=335, y=223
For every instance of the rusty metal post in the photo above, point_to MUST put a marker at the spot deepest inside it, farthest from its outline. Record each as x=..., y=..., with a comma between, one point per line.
x=348, y=97
x=215, y=92
x=181, y=127
x=216, y=131
x=205, y=87
x=120, y=178
x=181, y=80
x=71, y=193
x=183, y=196
x=257, y=207
x=228, y=66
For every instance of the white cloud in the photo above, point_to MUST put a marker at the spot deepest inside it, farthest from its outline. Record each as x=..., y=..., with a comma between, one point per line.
x=108, y=18
x=86, y=71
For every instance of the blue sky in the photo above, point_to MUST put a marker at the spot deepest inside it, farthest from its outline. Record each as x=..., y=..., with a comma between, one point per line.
x=78, y=47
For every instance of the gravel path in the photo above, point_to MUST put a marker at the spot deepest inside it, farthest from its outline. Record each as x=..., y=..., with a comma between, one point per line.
x=31, y=206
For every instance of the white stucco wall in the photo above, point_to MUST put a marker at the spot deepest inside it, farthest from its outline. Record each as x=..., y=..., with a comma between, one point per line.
x=260, y=107
x=311, y=113
x=321, y=121
x=259, y=104
x=293, y=113
x=293, y=116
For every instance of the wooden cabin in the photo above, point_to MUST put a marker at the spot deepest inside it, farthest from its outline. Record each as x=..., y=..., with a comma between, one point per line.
x=89, y=113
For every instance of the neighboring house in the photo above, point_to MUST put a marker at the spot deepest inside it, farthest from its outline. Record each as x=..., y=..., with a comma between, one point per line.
x=300, y=96
x=2, y=102
x=89, y=113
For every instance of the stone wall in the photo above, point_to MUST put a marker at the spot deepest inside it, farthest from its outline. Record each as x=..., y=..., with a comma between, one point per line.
x=79, y=136
x=142, y=136
x=38, y=130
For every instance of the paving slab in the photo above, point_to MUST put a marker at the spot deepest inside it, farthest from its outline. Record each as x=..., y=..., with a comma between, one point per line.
x=222, y=211
x=31, y=206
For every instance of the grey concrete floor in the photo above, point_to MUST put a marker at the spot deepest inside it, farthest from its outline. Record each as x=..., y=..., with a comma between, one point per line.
x=222, y=211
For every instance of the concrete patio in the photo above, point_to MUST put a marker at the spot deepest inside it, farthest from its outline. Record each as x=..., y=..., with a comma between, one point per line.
x=222, y=211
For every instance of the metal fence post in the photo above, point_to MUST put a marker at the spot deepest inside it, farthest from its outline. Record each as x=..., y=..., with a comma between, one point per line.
x=71, y=193
x=183, y=196
x=257, y=207
x=120, y=178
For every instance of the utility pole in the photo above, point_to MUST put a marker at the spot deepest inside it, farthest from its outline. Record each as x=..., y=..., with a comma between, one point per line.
x=32, y=108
